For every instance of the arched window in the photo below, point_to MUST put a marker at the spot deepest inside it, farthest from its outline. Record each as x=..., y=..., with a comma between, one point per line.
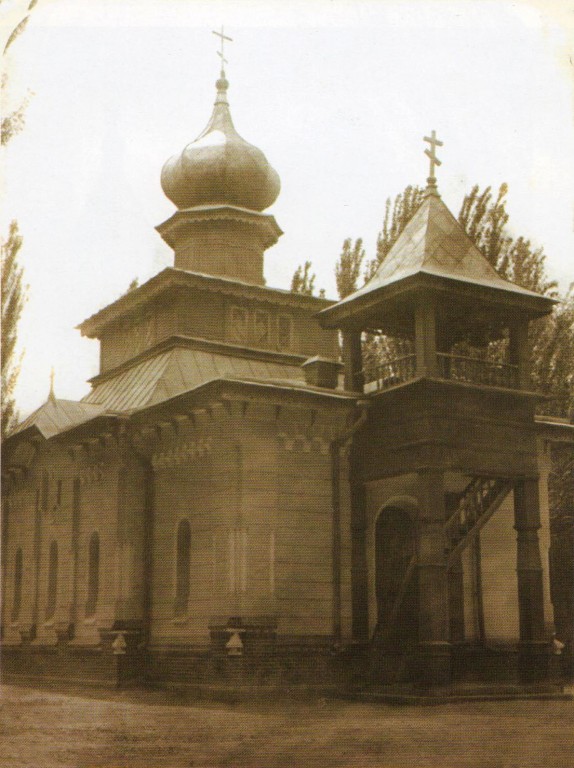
x=18, y=571
x=93, y=574
x=182, y=568
x=52, y=581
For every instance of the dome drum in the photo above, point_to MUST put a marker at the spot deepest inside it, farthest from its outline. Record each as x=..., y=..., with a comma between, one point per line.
x=221, y=240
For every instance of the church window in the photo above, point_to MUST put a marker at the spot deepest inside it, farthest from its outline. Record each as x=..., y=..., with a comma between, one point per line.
x=261, y=328
x=18, y=573
x=239, y=321
x=284, y=332
x=52, y=581
x=93, y=574
x=182, y=582
x=45, y=490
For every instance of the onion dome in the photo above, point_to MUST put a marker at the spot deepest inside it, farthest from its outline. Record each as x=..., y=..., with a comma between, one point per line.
x=219, y=167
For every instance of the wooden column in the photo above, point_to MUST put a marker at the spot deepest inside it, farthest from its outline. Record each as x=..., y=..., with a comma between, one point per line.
x=434, y=626
x=533, y=647
x=456, y=601
x=425, y=337
x=75, y=545
x=359, y=571
x=353, y=361
x=519, y=352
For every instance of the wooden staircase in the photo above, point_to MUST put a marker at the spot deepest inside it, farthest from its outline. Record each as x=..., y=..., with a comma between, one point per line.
x=472, y=509
x=476, y=505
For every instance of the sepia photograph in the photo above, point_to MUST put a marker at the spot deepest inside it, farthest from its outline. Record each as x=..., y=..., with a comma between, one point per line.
x=287, y=383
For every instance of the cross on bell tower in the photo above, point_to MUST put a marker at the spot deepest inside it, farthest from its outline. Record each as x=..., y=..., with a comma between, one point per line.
x=434, y=161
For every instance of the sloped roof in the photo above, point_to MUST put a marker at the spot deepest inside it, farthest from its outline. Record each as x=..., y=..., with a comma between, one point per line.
x=178, y=370
x=434, y=243
x=55, y=416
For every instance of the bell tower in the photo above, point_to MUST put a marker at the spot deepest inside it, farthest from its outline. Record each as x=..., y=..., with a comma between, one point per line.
x=439, y=342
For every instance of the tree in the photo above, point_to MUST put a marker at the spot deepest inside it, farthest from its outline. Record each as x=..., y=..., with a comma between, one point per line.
x=348, y=268
x=303, y=281
x=13, y=299
x=13, y=292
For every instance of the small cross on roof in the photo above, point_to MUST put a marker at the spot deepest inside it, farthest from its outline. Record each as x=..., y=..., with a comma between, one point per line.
x=431, y=154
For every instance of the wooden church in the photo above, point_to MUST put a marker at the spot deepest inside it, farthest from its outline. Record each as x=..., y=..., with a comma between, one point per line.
x=232, y=505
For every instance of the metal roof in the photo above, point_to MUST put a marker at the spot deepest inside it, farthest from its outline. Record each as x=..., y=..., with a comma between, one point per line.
x=55, y=416
x=433, y=242
x=178, y=370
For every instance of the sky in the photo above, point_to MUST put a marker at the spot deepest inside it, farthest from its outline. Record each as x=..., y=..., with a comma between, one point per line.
x=337, y=94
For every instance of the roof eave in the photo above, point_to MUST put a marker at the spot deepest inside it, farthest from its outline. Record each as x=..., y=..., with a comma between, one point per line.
x=353, y=311
x=171, y=278
x=237, y=389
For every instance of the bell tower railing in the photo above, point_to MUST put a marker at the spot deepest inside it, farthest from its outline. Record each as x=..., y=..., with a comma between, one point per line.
x=379, y=376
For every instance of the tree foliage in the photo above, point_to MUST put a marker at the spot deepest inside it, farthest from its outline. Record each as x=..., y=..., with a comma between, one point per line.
x=485, y=221
x=13, y=299
x=13, y=292
x=303, y=281
x=12, y=122
x=348, y=267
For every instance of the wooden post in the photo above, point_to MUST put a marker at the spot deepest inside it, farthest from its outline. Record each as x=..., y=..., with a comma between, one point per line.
x=519, y=352
x=425, y=337
x=534, y=645
x=353, y=361
x=434, y=625
x=75, y=542
x=456, y=601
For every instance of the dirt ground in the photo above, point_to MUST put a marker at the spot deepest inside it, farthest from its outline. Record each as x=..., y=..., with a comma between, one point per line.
x=44, y=729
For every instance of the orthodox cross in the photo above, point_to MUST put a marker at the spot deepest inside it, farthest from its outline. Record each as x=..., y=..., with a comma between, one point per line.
x=221, y=52
x=52, y=395
x=430, y=153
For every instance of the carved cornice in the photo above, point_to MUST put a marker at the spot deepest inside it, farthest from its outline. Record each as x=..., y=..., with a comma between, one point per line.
x=182, y=453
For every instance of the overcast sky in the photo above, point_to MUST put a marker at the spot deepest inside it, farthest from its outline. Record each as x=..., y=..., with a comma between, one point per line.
x=337, y=94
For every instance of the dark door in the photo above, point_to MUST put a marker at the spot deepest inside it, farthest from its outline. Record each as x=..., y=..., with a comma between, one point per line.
x=396, y=581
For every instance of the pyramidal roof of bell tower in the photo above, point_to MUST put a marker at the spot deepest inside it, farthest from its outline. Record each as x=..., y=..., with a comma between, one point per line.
x=434, y=245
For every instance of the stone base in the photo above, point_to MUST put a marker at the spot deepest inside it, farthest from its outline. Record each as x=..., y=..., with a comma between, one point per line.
x=434, y=663
x=533, y=662
x=402, y=695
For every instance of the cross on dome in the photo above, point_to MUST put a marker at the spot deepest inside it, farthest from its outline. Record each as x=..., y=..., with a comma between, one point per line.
x=221, y=52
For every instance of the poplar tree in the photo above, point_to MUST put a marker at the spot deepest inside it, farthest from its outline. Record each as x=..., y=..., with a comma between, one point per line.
x=13, y=292
x=348, y=267
x=303, y=281
x=13, y=299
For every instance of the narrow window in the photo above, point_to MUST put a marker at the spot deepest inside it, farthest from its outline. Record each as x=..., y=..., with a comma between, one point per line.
x=238, y=329
x=93, y=574
x=45, y=490
x=261, y=323
x=182, y=568
x=18, y=571
x=52, y=581
x=284, y=332
x=59, y=493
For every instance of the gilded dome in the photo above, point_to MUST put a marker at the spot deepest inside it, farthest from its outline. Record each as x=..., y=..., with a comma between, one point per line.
x=219, y=167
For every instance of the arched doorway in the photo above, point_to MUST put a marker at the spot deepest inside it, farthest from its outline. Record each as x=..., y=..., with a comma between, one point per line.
x=396, y=582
